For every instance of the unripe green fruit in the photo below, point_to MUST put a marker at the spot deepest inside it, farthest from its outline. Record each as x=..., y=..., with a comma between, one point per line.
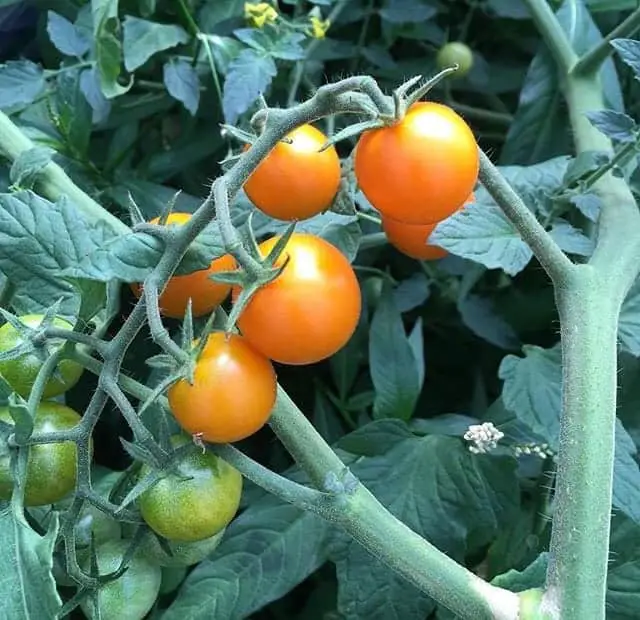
x=455, y=53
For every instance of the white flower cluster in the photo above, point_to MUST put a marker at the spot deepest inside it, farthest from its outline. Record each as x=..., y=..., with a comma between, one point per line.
x=484, y=437
x=542, y=450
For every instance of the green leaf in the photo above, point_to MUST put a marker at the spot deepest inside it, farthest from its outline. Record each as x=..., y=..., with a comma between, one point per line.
x=90, y=87
x=588, y=204
x=616, y=125
x=65, y=36
x=629, y=322
x=540, y=129
x=142, y=39
x=406, y=11
x=570, y=239
x=412, y=292
x=74, y=115
x=393, y=366
x=461, y=498
x=626, y=479
x=21, y=81
x=28, y=589
x=106, y=30
x=531, y=389
x=266, y=551
x=29, y=164
x=248, y=76
x=629, y=52
x=480, y=316
x=182, y=83
x=531, y=577
x=289, y=47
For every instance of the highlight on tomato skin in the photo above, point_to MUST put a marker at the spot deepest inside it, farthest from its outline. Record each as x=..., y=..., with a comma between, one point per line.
x=296, y=180
x=205, y=293
x=310, y=311
x=412, y=239
x=232, y=395
x=420, y=169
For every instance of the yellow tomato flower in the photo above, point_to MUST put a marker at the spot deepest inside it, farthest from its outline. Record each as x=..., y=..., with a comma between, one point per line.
x=259, y=13
x=318, y=27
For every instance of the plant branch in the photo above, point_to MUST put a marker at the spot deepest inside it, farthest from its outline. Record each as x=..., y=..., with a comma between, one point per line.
x=553, y=34
x=546, y=250
x=590, y=62
x=53, y=181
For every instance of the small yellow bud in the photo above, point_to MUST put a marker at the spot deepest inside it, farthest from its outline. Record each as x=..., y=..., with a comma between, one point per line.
x=259, y=13
x=318, y=27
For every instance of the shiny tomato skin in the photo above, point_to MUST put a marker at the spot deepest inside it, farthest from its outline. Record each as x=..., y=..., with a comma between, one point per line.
x=195, y=503
x=421, y=169
x=21, y=373
x=51, y=467
x=310, y=310
x=233, y=393
x=411, y=239
x=205, y=294
x=295, y=181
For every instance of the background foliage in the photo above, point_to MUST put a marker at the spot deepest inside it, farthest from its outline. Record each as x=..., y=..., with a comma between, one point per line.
x=129, y=97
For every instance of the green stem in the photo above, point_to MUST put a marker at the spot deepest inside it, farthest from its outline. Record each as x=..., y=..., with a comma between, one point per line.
x=621, y=158
x=53, y=181
x=499, y=118
x=590, y=62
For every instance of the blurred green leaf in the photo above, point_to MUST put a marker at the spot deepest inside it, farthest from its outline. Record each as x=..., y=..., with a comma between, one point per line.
x=142, y=39
x=183, y=83
x=21, y=81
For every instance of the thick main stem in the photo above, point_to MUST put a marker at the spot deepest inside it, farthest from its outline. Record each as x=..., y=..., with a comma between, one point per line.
x=576, y=581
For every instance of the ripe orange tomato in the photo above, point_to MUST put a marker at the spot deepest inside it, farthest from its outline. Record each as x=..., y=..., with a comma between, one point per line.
x=295, y=181
x=310, y=310
x=232, y=395
x=420, y=170
x=205, y=294
x=411, y=239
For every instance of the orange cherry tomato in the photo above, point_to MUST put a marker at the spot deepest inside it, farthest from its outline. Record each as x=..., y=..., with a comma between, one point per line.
x=310, y=310
x=411, y=239
x=296, y=181
x=205, y=294
x=420, y=170
x=232, y=395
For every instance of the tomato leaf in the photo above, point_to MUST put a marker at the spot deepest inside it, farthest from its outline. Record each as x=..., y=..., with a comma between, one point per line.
x=629, y=324
x=28, y=589
x=21, y=81
x=65, y=36
x=396, y=373
x=182, y=83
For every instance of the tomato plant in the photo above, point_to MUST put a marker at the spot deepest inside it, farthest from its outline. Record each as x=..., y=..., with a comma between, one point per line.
x=296, y=180
x=421, y=169
x=51, y=468
x=455, y=53
x=182, y=553
x=205, y=294
x=196, y=502
x=232, y=395
x=132, y=595
x=21, y=372
x=310, y=310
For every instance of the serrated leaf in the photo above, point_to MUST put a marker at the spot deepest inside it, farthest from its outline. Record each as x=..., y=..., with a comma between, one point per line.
x=248, y=76
x=480, y=316
x=583, y=164
x=570, y=239
x=29, y=164
x=629, y=52
x=482, y=233
x=289, y=47
x=65, y=36
x=142, y=39
x=588, y=204
x=615, y=125
x=28, y=590
x=392, y=364
x=21, y=81
x=182, y=83
x=266, y=551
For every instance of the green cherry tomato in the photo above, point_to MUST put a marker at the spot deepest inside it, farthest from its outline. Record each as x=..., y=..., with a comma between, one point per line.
x=132, y=595
x=51, y=468
x=455, y=53
x=21, y=372
x=182, y=553
x=197, y=503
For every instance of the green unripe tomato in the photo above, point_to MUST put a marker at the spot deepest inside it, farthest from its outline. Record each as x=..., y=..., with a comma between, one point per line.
x=21, y=373
x=198, y=503
x=454, y=53
x=51, y=468
x=183, y=553
x=132, y=595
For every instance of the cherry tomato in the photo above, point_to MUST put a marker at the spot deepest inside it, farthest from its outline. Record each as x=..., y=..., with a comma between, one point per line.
x=51, y=467
x=310, y=310
x=411, y=239
x=205, y=294
x=296, y=181
x=20, y=373
x=197, y=502
x=182, y=553
x=420, y=170
x=454, y=53
x=232, y=395
x=133, y=594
